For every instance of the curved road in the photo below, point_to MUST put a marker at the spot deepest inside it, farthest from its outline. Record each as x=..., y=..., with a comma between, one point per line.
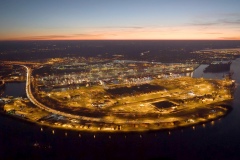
x=44, y=107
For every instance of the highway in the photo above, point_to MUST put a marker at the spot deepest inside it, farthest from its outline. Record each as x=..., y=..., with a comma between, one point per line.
x=48, y=109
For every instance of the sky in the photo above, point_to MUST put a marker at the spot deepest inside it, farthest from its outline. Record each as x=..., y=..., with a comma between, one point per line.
x=119, y=19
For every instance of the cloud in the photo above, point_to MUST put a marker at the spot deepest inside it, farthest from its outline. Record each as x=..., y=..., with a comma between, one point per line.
x=229, y=21
x=230, y=38
x=218, y=19
x=213, y=33
x=86, y=35
x=48, y=37
x=217, y=22
x=124, y=27
x=203, y=23
x=56, y=37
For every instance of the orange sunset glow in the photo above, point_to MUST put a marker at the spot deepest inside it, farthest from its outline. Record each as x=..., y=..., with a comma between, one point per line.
x=114, y=20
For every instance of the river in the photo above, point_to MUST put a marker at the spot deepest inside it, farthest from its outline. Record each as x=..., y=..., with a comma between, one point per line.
x=15, y=89
x=218, y=139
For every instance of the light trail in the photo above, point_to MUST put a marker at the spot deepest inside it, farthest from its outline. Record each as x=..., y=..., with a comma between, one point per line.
x=48, y=109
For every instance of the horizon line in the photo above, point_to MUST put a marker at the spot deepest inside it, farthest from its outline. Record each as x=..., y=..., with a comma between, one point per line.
x=120, y=40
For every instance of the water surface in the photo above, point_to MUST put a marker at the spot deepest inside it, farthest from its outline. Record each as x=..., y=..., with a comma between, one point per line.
x=218, y=139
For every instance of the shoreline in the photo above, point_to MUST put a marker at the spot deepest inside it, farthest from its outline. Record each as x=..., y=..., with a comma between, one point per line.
x=171, y=126
x=194, y=111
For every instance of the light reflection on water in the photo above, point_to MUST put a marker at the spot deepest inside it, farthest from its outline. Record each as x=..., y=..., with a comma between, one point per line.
x=205, y=141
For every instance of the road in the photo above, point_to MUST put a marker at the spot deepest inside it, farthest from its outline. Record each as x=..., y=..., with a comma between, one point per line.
x=46, y=108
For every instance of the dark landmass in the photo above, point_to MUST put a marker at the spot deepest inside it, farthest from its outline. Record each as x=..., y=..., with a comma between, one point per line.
x=150, y=50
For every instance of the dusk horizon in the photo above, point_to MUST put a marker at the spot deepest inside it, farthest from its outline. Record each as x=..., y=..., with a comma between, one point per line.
x=118, y=40
x=125, y=20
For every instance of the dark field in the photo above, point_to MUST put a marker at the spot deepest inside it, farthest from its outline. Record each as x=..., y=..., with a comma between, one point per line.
x=164, y=104
x=145, y=88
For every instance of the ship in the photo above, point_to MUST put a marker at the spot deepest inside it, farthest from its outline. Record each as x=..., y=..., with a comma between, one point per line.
x=218, y=66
